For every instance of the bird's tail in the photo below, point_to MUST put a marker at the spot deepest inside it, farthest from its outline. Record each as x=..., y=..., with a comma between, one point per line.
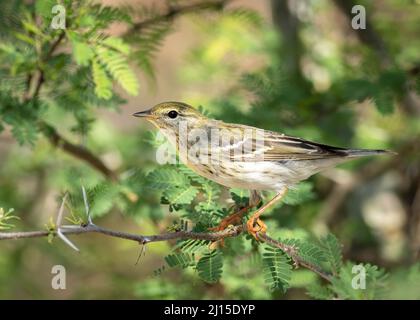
x=367, y=152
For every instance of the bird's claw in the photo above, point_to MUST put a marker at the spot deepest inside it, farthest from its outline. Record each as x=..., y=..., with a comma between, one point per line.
x=255, y=226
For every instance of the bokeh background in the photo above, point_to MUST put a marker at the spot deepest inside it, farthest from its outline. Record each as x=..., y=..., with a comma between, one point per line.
x=291, y=66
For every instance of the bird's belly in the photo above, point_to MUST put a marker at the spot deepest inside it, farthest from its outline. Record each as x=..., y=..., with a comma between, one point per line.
x=248, y=175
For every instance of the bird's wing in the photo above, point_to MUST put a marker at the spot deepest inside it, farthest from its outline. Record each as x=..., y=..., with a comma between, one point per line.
x=272, y=146
x=281, y=147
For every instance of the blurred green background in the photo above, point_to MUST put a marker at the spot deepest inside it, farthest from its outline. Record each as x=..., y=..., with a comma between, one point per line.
x=296, y=67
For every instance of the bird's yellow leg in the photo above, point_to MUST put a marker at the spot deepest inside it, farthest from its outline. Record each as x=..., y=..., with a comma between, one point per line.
x=254, y=223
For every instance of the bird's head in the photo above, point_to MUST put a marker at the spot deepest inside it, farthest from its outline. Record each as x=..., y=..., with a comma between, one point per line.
x=169, y=115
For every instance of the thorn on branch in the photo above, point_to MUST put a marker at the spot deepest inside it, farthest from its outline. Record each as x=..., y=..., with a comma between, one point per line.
x=142, y=250
x=59, y=226
x=87, y=209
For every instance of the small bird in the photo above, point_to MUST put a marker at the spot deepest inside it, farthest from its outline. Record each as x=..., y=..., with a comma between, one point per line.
x=240, y=156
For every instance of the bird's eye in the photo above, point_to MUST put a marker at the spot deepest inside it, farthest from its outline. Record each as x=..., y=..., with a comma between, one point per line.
x=172, y=114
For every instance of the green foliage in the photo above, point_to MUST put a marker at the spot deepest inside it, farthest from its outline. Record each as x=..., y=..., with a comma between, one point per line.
x=111, y=53
x=175, y=185
x=332, y=252
x=180, y=195
x=277, y=269
x=372, y=287
x=102, y=198
x=210, y=266
x=319, y=292
x=95, y=62
x=148, y=43
x=166, y=178
x=20, y=116
x=182, y=260
x=403, y=283
x=240, y=196
x=5, y=219
x=103, y=85
x=356, y=282
x=192, y=245
x=211, y=192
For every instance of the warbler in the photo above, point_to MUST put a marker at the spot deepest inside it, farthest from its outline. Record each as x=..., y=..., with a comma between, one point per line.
x=236, y=155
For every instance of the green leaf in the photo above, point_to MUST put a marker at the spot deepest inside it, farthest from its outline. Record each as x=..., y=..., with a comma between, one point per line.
x=332, y=252
x=103, y=85
x=82, y=53
x=5, y=219
x=24, y=132
x=384, y=102
x=165, y=178
x=358, y=89
x=192, y=175
x=359, y=282
x=102, y=198
x=180, y=195
x=211, y=193
x=307, y=251
x=240, y=196
x=182, y=260
x=311, y=253
x=44, y=7
x=210, y=266
x=320, y=292
x=277, y=269
x=246, y=16
x=117, y=65
x=192, y=245
x=117, y=44
x=147, y=44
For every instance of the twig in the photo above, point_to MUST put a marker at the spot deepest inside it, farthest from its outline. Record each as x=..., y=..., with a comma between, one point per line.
x=77, y=151
x=293, y=253
x=91, y=228
x=174, y=11
x=141, y=239
x=41, y=77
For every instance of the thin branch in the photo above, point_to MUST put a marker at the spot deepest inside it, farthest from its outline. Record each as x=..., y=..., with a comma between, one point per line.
x=175, y=11
x=141, y=239
x=41, y=76
x=91, y=228
x=77, y=151
x=293, y=253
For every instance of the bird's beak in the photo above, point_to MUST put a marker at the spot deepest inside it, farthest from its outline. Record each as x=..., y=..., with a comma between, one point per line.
x=143, y=114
